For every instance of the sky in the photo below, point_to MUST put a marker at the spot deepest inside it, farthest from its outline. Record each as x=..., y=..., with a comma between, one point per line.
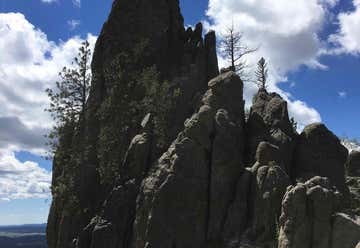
x=312, y=48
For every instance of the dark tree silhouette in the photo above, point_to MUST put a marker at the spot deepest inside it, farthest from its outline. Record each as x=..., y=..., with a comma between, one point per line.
x=68, y=98
x=234, y=50
x=261, y=74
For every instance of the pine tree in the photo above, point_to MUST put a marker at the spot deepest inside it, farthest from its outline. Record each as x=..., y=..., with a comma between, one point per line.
x=68, y=99
x=261, y=74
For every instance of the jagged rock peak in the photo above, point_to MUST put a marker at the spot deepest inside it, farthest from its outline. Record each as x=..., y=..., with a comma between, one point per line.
x=154, y=31
x=160, y=25
x=190, y=189
x=269, y=121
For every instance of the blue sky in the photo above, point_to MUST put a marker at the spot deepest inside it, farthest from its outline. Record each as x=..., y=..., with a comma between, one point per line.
x=312, y=47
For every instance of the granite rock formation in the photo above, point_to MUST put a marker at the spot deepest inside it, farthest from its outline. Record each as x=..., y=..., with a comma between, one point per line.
x=222, y=180
x=183, y=57
x=309, y=217
x=320, y=153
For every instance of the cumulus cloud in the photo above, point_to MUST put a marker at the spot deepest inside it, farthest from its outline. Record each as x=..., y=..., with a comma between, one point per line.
x=14, y=135
x=22, y=180
x=29, y=63
x=286, y=34
x=347, y=39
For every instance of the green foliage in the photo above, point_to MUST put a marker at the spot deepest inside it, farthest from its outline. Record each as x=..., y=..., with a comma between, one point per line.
x=261, y=74
x=159, y=100
x=67, y=106
x=68, y=98
x=135, y=90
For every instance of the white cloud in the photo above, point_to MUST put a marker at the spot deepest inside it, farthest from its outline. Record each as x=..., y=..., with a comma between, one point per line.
x=22, y=180
x=73, y=24
x=342, y=94
x=286, y=33
x=77, y=3
x=347, y=39
x=303, y=114
x=29, y=63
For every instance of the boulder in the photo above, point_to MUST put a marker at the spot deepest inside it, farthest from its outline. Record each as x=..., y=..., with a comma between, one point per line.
x=320, y=153
x=306, y=217
x=353, y=164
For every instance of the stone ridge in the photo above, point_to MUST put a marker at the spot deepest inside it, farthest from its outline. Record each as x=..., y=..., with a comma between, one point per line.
x=224, y=181
x=183, y=57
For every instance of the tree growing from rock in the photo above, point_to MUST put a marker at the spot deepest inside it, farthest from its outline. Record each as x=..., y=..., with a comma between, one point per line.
x=234, y=49
x=262, y=74
x=68, y=99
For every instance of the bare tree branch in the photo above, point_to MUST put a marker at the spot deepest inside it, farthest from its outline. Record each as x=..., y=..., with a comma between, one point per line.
x=234, y=51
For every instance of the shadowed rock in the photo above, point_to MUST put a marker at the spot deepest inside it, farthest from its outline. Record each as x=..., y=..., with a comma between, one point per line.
x=269, y=121
x=185, y=199
x=320, y=153
x=306, y=217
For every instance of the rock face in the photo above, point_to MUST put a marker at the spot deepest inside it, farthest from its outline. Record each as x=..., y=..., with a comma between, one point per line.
x=306, y=216
x=353, y=164
x=309, y=218
x=319, y=152
x=185, y=199
x=182, y=57
x=269, y=121
x=345, y=231
x=223, y=181
x=112, y=228
x=271, y=184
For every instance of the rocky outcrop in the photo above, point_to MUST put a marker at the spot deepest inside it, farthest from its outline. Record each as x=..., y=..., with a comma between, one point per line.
x=353, y=164
x=269, y=121
x=113, y=228
x=184, y=58
x=185, y=199
x=306, y=216
x=271, y=185
x=320, y=153
x=223, y=181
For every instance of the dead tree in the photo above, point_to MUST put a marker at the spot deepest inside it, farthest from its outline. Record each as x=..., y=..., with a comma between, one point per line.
x=234, y=50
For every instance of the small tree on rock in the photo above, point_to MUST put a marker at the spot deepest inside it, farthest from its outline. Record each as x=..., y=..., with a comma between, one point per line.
x=68, y=99
x=234, y=50
x=261, y=74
